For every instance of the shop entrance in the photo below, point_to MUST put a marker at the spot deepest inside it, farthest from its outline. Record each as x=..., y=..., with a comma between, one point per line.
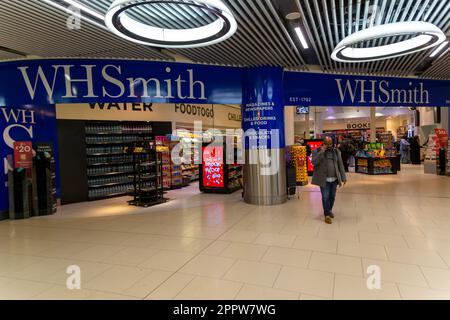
x=98, y=140
x=378, y=140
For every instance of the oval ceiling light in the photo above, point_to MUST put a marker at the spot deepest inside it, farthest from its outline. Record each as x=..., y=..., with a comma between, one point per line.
x=426, y=35
x=120, y=23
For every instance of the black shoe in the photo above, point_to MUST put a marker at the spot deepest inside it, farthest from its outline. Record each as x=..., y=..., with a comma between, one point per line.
x=331, y=215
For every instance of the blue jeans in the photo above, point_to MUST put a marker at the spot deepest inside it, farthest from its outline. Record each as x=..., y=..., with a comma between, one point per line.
x=328, y=197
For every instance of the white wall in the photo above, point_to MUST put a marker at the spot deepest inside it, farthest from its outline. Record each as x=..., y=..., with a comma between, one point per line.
x=426, y=116
x=289, y=125
x=445, y=115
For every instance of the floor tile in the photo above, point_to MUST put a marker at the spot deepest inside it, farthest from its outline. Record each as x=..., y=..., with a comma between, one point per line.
x=130, y=256
x=208, y=266
x=287, y=257
x=216, y=248
x=437, y=278
x=355, y=288
x=419, y=293
x=306, y=281
x=274, y=239
x=22, y=289
x=245, y=251
x=149, y=283
x=364, y=250
x=251, y=292
x=170, y=288
x=117, y=279
x=97, y=253
x=257, y=273
x=397, y=272
x=167, y=260
x=209, y=289
x=415, y=256
x=336, y=263
x=240, y=236
x=382, y=239
x=316, y=244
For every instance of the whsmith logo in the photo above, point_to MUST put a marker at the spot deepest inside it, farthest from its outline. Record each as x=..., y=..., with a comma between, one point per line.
x=376, y=91
x=181, y=86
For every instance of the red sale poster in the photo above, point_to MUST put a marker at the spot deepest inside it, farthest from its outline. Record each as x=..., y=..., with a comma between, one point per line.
x=313, y=144
x=213, y=167
x=442, y=138
x=23, y=156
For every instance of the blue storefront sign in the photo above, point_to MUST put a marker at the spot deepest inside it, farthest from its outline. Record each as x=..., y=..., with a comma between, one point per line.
x=263, y=108
x=24, y=123
x=53, y=81
x=96, y=81
x=318, y=89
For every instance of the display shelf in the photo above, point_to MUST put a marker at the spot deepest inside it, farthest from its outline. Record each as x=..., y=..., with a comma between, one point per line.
x=109, y=184
x=103, y=154
x=376, y=166
x=109, y=174
x=112, y=195
x=108, y=166
x=108, y=163
x=148, y=188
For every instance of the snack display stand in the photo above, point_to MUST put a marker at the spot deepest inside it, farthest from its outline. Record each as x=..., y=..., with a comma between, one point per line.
x=299, y=162
x=375, y=159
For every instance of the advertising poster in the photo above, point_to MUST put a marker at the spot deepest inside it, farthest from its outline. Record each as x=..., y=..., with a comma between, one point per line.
x=442, y=138
x=213, y=167
x=23, y=156
x=313, y=144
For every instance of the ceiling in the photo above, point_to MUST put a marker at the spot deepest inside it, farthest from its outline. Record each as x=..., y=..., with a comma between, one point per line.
x=264, y=36
x=339, y=113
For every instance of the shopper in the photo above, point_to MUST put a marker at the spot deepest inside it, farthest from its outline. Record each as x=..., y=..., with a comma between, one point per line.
x=329, y=173
x=415, y=150
x=405, y=149
x=347, y=150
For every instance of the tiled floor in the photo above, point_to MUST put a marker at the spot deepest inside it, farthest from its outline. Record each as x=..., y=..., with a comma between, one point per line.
x=217, y=247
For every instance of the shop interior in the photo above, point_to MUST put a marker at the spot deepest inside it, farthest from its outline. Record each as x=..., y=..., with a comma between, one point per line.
x=143, y=160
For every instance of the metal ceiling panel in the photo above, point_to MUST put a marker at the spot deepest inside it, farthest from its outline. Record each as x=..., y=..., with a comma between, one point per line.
x=264, y=36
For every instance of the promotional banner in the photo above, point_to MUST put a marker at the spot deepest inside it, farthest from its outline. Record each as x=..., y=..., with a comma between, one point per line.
x=56, y=81
x=319, y=89
x=442, y=138
x=24, y=123
x=263, y=108
x=23, y=156
x=213, y=167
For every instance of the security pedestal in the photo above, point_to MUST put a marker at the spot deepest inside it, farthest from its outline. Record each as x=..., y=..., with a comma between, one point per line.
x=19, y=189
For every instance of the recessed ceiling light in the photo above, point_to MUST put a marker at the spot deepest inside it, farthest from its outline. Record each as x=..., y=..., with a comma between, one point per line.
x=295, y=15
x=439, y=49
x=426, y=36
x=85, y=9
x=301, y=37
x=120, y=23
x=66, y=9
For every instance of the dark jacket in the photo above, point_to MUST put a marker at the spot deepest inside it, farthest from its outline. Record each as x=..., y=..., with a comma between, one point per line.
x=320, y=168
